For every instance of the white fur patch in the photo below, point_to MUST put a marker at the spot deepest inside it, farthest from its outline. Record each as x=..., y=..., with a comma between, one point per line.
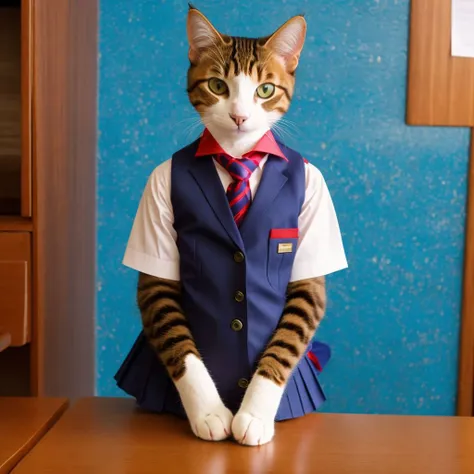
x=207, y=415
x=254, y=423
x=242, y=102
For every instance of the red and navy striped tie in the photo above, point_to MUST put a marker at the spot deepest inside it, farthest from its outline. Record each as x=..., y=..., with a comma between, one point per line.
x=238, y=192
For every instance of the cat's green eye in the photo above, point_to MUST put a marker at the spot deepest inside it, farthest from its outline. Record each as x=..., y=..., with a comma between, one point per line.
x=265, y=91
x=217, y=86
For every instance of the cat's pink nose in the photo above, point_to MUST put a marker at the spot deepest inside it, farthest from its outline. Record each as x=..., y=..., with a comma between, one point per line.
x=238, y=119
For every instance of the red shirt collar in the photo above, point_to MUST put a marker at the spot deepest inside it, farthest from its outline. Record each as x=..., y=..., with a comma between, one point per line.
x=267, y=144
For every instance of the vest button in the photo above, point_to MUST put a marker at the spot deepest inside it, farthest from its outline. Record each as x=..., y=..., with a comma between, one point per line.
x=239, y=296
x=243, y=383
x=236, y=325
x=239, y=257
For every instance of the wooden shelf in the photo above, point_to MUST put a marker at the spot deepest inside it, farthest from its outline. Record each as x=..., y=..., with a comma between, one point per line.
x=48, y=72
x=15, y=224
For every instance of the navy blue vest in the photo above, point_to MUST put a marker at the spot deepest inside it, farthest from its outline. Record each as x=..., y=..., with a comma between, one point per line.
x=234, y=284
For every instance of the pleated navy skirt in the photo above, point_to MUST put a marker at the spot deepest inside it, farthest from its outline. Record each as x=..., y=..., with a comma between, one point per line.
x=145, y=378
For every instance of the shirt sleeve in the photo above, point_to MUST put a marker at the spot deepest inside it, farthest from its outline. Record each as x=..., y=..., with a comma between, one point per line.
x=320, y=250
x=152, y=245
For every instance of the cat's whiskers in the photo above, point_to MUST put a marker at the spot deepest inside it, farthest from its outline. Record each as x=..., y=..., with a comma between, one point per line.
x=283, y=126
x=282, y=130
x=290, y=125
x=194, y=130
x=186, y=131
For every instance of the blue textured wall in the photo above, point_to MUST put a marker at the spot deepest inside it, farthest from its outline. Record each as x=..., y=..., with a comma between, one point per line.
x=393, y=317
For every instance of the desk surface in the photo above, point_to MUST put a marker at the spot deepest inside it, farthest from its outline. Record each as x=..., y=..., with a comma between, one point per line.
x=109, y=435
x=23, y=421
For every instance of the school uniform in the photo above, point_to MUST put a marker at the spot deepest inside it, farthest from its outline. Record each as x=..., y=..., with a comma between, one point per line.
x=234, y=276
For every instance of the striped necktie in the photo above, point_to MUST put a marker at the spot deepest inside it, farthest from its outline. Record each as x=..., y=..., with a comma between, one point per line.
x=238, y=192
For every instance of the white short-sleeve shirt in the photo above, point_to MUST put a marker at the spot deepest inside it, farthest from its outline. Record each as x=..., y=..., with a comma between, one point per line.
x=152, y=245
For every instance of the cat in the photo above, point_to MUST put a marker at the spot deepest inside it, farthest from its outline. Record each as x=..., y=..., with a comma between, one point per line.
x=240, y=87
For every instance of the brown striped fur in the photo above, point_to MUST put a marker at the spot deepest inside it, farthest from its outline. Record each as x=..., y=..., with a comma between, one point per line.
x=240, y=56
x=164, y=322
x=231, y=56
x=304, y=310
x=166, y=327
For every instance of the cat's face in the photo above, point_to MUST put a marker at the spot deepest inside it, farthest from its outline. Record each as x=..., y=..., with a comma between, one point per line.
x=240, y=85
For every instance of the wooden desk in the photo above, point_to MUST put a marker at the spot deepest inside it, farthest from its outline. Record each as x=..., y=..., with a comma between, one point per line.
x=98, y=436
x=23, y=422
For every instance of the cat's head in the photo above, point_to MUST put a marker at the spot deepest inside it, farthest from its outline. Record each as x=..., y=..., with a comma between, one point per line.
x=242, y=85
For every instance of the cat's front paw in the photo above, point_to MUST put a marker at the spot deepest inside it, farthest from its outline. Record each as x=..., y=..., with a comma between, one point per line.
x=252, y=431
x=213, y=426
x=209, y=418
x=254, y=423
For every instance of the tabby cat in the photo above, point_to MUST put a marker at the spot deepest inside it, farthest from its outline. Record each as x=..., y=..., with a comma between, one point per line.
x=240, y=87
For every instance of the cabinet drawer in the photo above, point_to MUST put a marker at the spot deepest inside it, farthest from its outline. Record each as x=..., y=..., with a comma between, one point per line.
x=15, y=286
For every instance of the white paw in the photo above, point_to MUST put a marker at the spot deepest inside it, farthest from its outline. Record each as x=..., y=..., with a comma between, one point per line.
x=254, y=423
x=207, y=415
x=252, y=431
x=213, y=426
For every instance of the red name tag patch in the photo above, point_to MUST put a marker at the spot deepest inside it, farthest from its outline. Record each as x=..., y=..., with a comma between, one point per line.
x=284, y=234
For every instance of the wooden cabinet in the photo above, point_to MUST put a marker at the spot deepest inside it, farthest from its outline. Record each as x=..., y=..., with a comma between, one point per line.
x=15, y=286
x=48, y=89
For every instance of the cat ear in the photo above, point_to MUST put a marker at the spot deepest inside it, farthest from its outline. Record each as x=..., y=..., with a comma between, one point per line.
x=201, y=34
x=287, y=42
